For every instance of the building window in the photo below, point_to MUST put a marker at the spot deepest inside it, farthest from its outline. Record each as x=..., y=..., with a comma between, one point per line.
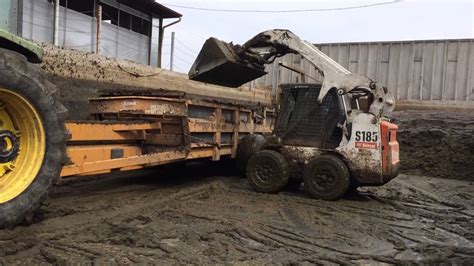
x=116, y=15
x=86, y=7
x=126, y=20
x=110, y=15
x=140, y=25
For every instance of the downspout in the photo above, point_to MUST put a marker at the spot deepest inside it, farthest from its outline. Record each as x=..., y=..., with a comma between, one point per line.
x=19, y=18
x=56, y=23
x=161, y=37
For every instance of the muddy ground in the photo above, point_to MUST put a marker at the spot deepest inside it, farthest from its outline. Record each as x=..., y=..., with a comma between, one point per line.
x=206, y=213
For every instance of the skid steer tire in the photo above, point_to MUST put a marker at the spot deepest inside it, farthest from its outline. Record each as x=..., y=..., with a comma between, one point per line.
x=326, y=177
x=29, y=107
x=268, y=171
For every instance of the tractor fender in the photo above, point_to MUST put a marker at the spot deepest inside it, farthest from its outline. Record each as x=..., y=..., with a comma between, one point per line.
x=12, y=42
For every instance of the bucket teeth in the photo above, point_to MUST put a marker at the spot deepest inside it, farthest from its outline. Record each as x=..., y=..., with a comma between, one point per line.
x=218, y=63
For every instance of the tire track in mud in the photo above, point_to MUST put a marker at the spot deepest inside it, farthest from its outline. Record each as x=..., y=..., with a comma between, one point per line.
x=398, y=235
x=44, y=235
x=87, y=218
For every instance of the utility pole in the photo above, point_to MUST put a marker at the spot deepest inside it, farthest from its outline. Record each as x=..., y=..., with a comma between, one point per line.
x=56, y=23
x=98, y=17
x=172, y=52
x=161, y=32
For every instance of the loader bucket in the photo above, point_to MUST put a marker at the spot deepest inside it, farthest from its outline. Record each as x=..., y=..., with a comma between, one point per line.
x=218, y=63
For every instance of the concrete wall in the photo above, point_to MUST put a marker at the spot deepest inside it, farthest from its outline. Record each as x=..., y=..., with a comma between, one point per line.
x=78, y=31
x=412, y=70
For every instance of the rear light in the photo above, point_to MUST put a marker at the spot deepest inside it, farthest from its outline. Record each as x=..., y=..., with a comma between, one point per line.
x=390, y=151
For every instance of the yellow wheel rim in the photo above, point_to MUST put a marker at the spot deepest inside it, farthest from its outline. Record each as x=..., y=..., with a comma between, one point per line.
x=18, y=116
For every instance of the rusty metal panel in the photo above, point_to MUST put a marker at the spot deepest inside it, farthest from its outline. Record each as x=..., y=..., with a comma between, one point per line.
x=414, y=70
x=132, y=161
x=101, y=152
x=154, y=106
x=96, y=132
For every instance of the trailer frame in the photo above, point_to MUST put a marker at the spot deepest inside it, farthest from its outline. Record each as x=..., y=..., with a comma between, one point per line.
x=134, y=132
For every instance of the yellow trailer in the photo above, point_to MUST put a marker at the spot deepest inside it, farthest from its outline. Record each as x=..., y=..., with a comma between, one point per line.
x=132, y=132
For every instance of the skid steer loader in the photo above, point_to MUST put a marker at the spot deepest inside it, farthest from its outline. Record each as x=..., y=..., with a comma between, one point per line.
x=335, y=135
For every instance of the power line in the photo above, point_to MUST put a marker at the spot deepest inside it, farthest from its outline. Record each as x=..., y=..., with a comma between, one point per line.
x=184, y=52
x=178, y=68
x=182, y=60
x=183, y=44
x=285, y=11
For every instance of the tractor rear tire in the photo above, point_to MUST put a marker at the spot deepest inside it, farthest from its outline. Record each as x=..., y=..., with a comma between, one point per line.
x=29, y=108
x=326, y=177
x=268, y=171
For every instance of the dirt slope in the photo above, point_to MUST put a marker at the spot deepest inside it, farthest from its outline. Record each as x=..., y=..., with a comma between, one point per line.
x=214, y=217
x=437, y=143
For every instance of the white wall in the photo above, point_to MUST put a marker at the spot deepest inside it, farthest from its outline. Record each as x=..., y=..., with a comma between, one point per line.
x=78, y=31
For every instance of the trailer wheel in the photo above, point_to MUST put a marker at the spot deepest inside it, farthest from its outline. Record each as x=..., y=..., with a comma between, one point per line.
x=32, y=138
x=326, y=177
x=267, y=171
x=248, y=146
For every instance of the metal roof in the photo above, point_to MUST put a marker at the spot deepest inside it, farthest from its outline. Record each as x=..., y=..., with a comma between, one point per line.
x=151, y=7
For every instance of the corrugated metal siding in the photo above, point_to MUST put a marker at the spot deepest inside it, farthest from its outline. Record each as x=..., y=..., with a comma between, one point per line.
x=77, y=31
x=125, y=44
x=412, y=70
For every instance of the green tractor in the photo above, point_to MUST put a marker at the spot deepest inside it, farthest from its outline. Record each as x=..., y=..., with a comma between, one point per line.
x=32, y=132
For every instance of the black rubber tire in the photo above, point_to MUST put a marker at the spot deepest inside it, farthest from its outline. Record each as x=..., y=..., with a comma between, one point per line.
x=326, y=177
x=28, y=80
x=268, y=172
x=248, y=146
x=353, y=188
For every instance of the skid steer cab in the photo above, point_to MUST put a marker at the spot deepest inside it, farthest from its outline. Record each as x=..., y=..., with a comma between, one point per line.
x=333, y=145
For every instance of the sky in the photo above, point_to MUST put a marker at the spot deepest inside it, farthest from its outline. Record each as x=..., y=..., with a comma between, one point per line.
x=397, y=20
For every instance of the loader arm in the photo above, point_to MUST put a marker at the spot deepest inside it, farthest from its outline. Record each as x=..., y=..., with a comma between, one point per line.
x=265, y=47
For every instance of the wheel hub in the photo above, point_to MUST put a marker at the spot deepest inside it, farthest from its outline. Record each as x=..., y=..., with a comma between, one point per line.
x=324, y=180
x=9, y=146
x=22, y=144
x=264, y=171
